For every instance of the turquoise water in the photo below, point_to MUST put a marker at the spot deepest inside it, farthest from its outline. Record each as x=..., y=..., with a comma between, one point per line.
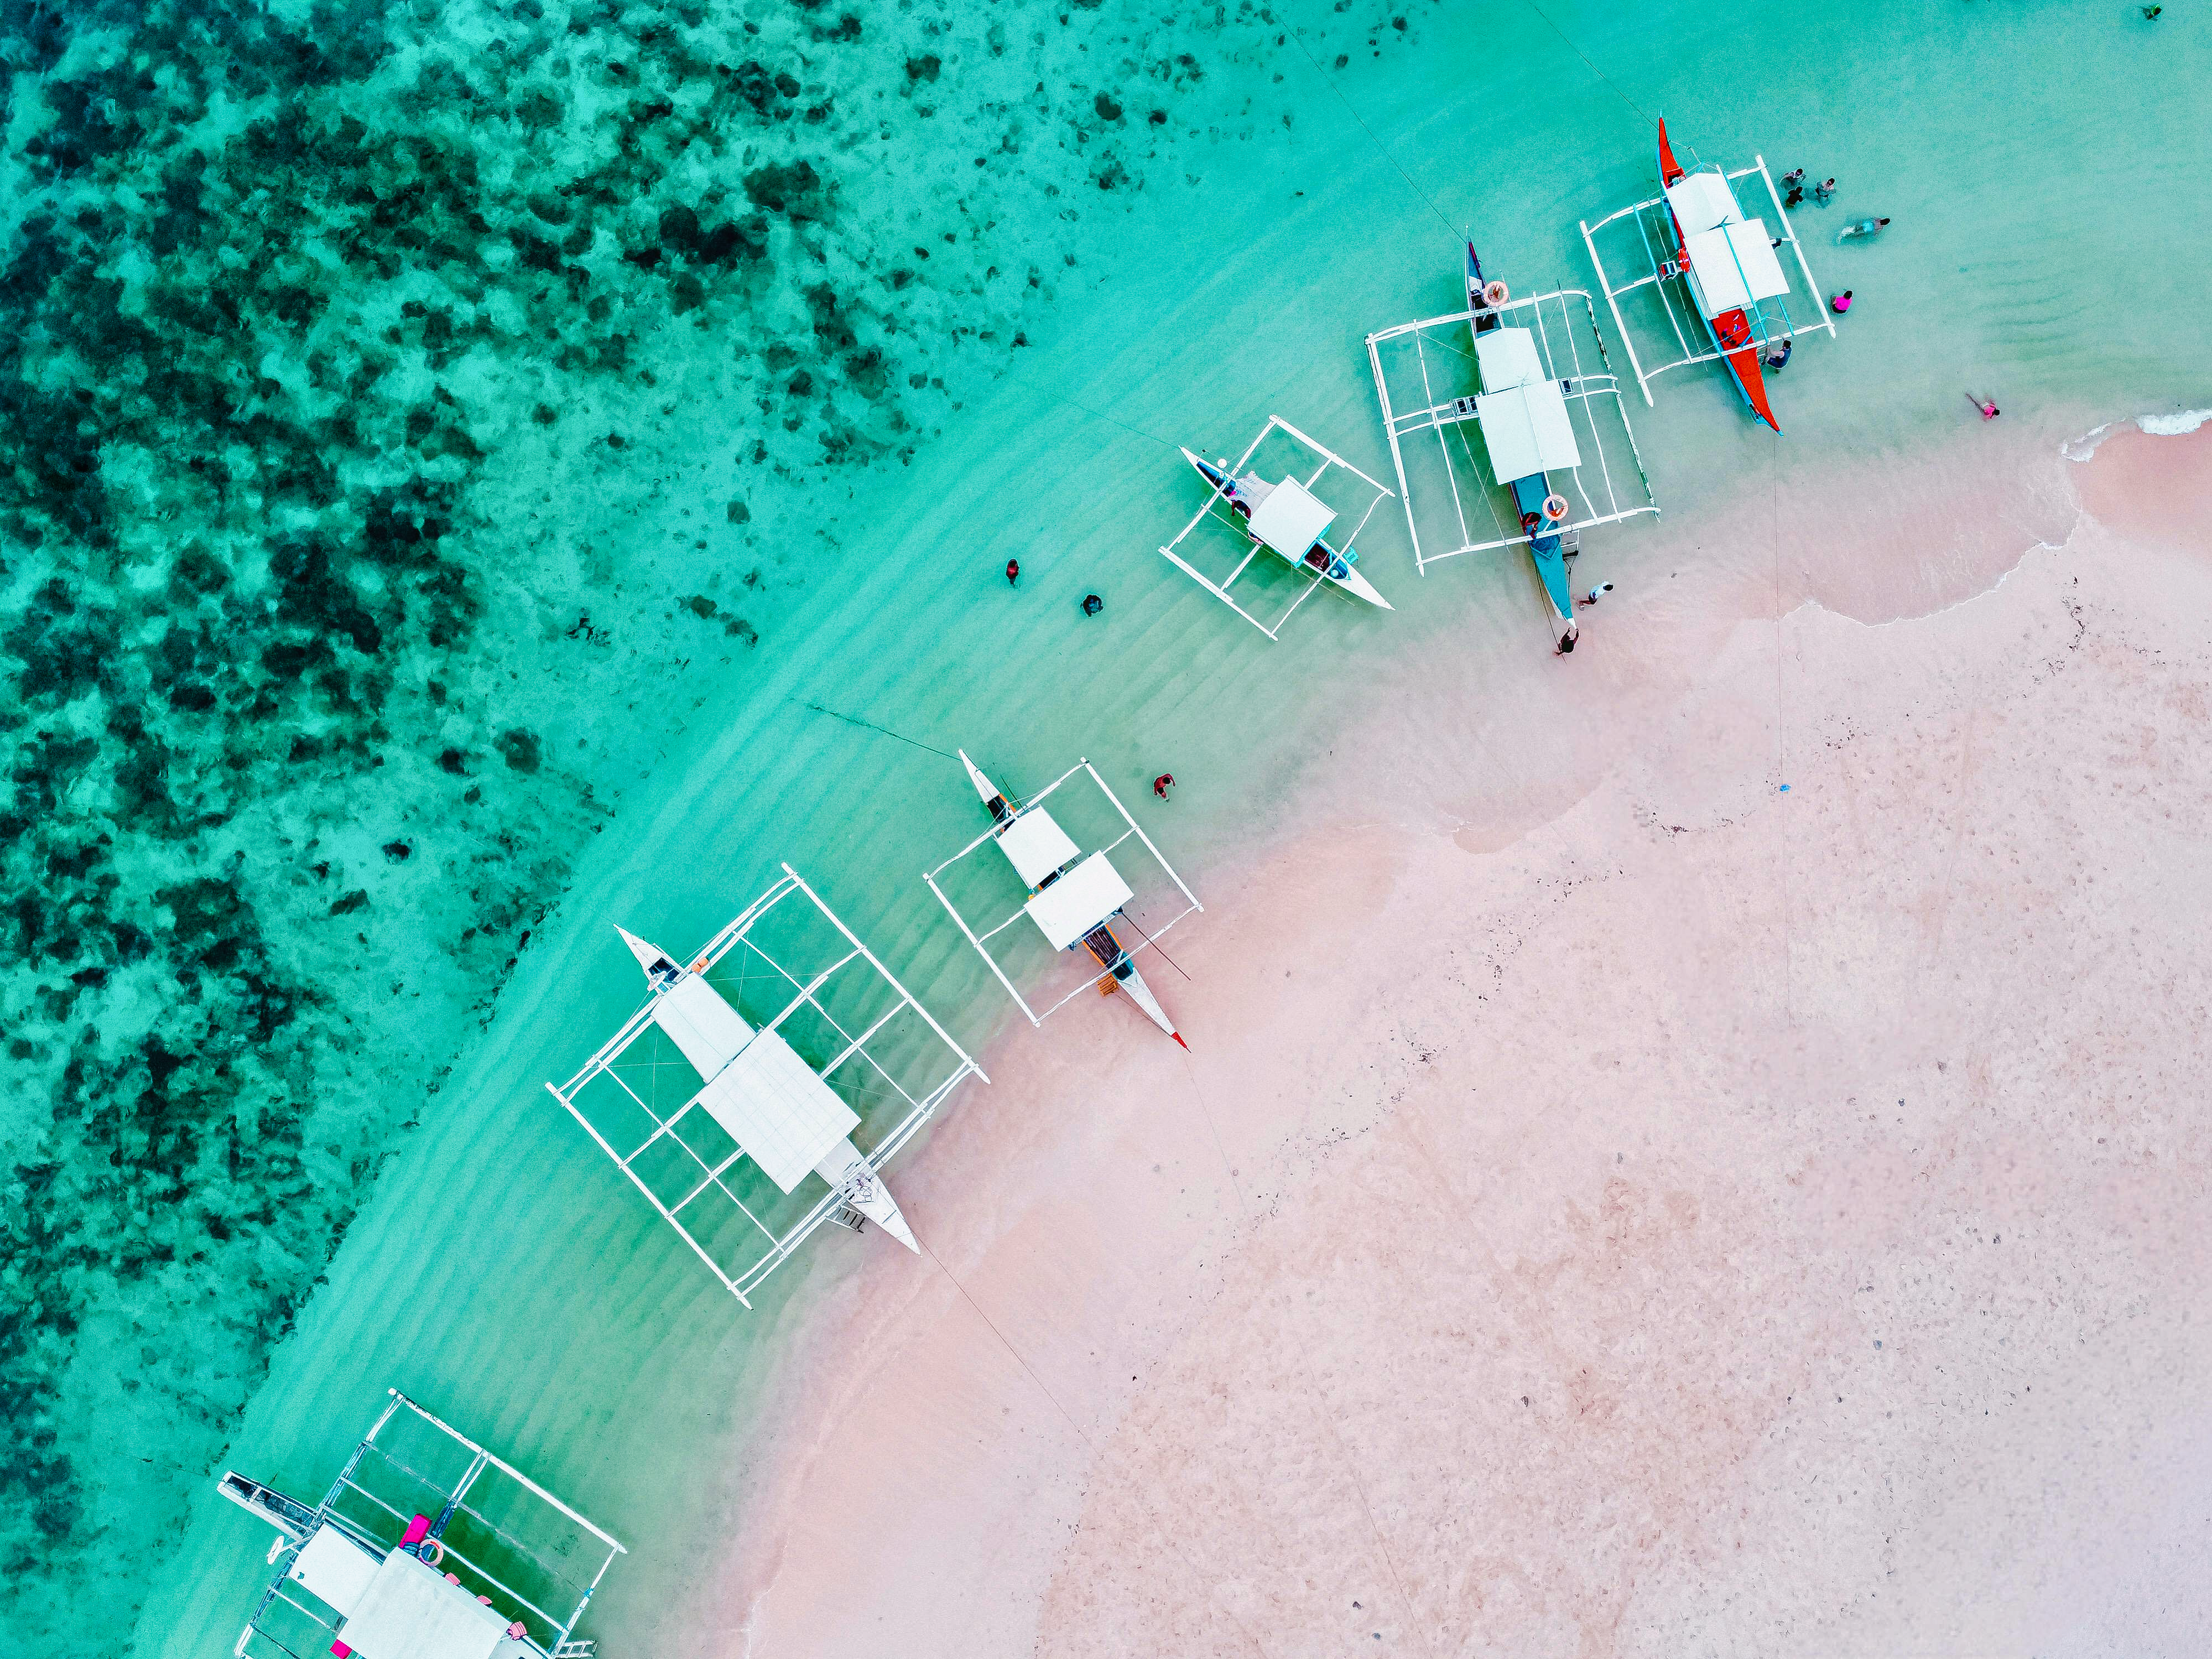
x=460, y=454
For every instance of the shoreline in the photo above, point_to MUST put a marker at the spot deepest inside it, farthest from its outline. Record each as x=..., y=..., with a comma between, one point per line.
x=986, y=1479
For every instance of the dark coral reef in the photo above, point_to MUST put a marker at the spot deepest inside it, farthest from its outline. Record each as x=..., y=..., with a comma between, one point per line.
x=348, y=352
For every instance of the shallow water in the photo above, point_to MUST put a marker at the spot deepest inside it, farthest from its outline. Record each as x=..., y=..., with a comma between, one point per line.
x=475, y=467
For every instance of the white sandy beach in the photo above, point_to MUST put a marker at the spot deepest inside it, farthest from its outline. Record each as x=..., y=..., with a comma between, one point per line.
x=1663, y=1213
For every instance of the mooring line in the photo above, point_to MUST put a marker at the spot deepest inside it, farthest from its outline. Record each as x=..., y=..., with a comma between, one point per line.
x=1449, y=230
x=854, y=720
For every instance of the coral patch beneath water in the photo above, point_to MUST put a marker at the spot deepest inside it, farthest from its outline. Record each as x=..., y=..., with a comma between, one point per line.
x=368, y=381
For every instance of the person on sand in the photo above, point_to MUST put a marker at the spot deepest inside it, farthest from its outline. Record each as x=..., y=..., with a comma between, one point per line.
x=1092, y=604
x=1594, y=595
x=1842, y=302
x=1566, y=645
x=1163, y=783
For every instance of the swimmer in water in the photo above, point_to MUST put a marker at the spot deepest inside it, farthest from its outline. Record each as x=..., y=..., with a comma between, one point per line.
x=1862, y=227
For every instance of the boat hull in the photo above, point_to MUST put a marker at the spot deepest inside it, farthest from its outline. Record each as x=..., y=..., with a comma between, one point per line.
x=1546, y=551
x=1122, y=969
x=859, y=1186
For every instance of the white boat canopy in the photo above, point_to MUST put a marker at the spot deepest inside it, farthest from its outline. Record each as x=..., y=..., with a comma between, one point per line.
x=1079, y=901
x=1734, y=265
x=1036, y=845
x=1291, y=521
x=1506, y=357
x=409, y=1612
x=333, y=1569
x=702, y=1023
x=775, y=1106
x=1526, y=431
x=1702, y=201
x=1521, y=411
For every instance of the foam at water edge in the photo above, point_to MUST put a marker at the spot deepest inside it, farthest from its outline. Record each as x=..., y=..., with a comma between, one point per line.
x=2178, y=424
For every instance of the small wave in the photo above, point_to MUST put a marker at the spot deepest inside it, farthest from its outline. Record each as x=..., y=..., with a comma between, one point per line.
x=2159, y=426
x=2172, y=426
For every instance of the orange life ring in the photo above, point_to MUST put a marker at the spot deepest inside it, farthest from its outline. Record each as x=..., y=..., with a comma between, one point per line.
x=1496, y=293
x=1556, y=507
x=424, y=1552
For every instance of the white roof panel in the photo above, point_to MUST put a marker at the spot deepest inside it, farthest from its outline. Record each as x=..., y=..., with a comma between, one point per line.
x=1701, y=201
x=702, y=1023
x=1526, y=431
x=1733, y=266
x=1079, y=901
x=1505, y=358
x=775, y=1106
x=1290, y=519
x=1036, y=845
x=334, y=1568
x=409, y=1612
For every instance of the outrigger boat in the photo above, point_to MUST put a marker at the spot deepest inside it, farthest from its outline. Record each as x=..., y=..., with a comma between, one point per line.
x=771, y=1102
x=743, y=1139
x=1538, y=410
x=1064, y=892
x=1285, y=518
x=1282, y=517
x=1523, y=415
x=427, y=1547
x=1074, y=897
x=1727, y=265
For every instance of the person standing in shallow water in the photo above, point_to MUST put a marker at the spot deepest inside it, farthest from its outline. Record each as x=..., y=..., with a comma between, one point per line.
x=1163, y=783
x=1013, y=572
x=1092, y=604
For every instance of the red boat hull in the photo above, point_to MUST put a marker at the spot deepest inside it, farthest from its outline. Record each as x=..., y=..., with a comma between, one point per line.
x=1731, y=329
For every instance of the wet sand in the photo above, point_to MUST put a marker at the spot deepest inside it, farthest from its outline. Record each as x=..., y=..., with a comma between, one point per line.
x=1662, y=1212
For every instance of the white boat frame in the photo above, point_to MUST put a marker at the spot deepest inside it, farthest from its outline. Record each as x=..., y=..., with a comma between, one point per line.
x=744, y=1275
x=1214, y=499
x=368, y=1520
x=980, y=941
x=1446, y=416
x=1665, y=271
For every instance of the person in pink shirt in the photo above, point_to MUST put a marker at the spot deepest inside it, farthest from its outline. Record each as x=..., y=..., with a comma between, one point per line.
x=1842, y=302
